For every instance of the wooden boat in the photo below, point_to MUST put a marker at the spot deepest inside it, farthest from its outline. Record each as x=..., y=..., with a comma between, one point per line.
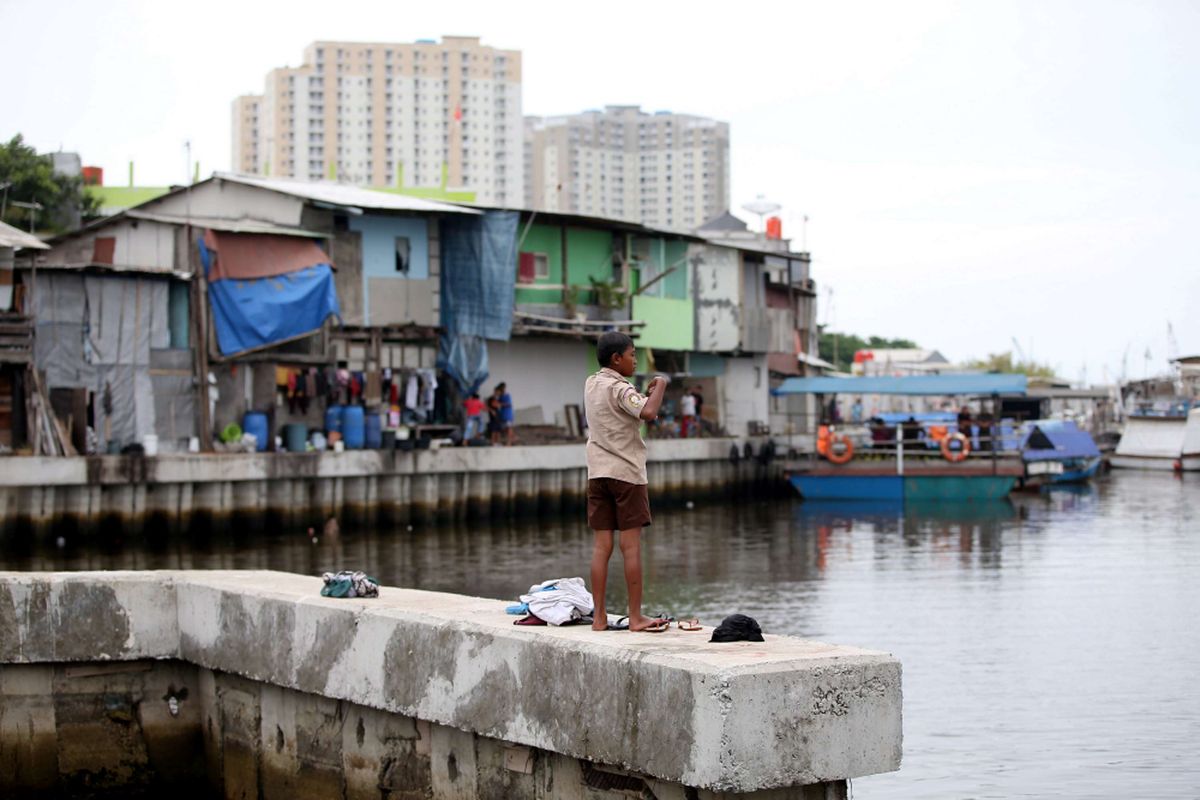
x=1057, y=451
x=917, y=465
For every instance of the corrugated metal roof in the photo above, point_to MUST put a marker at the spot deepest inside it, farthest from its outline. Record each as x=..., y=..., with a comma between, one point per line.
x=19, y=239
x=982, y=384
x=340, y=194
x=243, y=225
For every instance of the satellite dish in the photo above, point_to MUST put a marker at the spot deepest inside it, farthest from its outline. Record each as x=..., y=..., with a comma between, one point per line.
x=761, y=206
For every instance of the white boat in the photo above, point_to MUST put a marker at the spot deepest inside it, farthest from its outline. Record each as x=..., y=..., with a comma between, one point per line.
x=1163, y=442
x=1190, y=457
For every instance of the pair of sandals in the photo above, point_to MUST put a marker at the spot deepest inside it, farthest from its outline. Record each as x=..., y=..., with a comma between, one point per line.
x=661, y=625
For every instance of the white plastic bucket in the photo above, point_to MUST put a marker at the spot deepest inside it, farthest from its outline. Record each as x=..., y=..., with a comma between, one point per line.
x=150, y=444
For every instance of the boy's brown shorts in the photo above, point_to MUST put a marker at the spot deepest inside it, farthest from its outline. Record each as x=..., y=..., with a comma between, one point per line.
x=614, y=505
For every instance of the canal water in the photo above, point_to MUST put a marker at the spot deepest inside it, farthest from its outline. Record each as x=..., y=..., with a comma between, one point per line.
x=1050, y=644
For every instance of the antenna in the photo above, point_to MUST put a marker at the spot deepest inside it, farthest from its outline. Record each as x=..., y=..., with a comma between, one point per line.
x=760, y=206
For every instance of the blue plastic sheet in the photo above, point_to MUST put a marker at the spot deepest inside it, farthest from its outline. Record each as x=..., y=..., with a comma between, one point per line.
x=479, y=273
x=465, y=359
x=254, y=313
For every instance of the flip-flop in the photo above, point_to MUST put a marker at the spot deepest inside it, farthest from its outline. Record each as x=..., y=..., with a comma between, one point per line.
x=618, y=626
x=690, y=624
x=659, y=626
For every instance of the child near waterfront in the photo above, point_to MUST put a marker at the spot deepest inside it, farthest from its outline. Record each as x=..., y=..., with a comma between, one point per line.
x=616, y=462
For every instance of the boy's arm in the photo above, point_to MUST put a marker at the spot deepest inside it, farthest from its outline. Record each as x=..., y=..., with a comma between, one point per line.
x=654, y=398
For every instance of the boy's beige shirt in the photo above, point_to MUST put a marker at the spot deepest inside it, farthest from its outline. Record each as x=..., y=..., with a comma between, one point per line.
x=614, y=448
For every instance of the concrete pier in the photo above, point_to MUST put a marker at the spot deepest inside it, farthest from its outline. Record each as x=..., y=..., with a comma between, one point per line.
x=40, y=493
x=249, y=684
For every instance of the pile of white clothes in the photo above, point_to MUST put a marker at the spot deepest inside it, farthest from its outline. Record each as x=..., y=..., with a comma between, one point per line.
x=559, y=601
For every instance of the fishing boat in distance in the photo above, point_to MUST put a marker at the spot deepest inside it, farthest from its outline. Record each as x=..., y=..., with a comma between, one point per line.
x=1057, y=451
x=914, y=460
x=1163, y=435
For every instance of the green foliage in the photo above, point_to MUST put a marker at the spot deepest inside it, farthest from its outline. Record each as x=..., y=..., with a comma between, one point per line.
x=33, y=181
x=609, y=294
x=1003, y=362
x=839, y=348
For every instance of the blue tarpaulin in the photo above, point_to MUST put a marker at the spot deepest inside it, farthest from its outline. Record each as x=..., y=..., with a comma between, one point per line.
x=1050, y=440
x=908, y=384
x=479, y=273
x=465, y=359
x=253, y=313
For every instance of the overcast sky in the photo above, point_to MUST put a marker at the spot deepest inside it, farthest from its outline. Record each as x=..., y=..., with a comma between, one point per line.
x=972, y=171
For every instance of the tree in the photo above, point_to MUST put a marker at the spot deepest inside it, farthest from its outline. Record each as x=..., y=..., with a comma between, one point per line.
x=1003, y=362
x=839, y=348
x=32, y=180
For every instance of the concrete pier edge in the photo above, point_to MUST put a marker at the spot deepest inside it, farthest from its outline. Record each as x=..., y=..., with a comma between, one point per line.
x=741, y=717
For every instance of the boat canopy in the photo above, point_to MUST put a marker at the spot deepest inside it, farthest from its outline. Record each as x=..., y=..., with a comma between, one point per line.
x=981, y=384
x=1049, y=440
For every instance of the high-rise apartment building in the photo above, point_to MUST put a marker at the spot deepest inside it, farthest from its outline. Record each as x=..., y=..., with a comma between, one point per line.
x=246, y=110
x=426, y=115
x=665, y=170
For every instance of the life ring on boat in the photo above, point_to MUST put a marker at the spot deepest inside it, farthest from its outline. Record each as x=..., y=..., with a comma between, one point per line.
x=846, y=453
x=955, y=456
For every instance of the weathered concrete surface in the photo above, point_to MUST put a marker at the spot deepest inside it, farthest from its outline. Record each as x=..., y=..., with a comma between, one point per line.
x=729, y=718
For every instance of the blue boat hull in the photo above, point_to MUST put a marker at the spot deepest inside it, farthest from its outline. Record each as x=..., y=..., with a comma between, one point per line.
x=1079, y=470
x=903, y=488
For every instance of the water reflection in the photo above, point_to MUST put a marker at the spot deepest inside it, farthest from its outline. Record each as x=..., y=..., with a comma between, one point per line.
x=1048, y=641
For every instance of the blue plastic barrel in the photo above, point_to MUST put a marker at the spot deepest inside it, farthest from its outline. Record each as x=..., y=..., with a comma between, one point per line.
x=374, y=431
x=333, y=419
x=353, y=427
x=255, y=422
x=295, y=436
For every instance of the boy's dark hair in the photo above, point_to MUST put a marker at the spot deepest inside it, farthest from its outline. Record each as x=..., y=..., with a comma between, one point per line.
x=500, y=387
x=612, y=343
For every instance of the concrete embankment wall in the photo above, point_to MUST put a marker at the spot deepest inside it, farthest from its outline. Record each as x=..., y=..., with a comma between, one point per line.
x=248, y=684
x=420, y=486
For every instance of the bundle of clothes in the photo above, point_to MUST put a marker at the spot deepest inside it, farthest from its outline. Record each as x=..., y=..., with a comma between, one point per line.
x=349, y=583
x=562, y=601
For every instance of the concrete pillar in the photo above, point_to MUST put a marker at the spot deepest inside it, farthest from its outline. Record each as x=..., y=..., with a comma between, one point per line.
x=550, y=489
x=424, y=498
x=478, y=495
x=452, y=764
x=28, y=737
x=524, y=493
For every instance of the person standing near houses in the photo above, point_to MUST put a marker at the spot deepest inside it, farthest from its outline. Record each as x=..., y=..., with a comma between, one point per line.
x=698, y=394
x=617, y=499
x=473, y=409
x=687, y=414
x=507, y=415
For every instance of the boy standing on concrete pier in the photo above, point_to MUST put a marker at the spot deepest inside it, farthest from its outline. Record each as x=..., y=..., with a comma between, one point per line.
x=616, y=461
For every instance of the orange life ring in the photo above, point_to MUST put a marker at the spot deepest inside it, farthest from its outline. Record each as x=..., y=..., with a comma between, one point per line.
x=847, y=451
x=955, y=456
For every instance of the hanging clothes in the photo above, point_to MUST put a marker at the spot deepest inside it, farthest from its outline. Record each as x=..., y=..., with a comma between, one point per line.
x=412, y=390
x=428, y=389
x=373, y=392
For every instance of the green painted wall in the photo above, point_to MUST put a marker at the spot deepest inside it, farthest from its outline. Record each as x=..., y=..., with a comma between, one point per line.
x=677, y=285
x=543, y=239
x=669, y=322
x=589, y=255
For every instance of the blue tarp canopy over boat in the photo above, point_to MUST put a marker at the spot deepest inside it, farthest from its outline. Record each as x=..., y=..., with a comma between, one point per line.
x=1053, y=440
x=908, y=384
